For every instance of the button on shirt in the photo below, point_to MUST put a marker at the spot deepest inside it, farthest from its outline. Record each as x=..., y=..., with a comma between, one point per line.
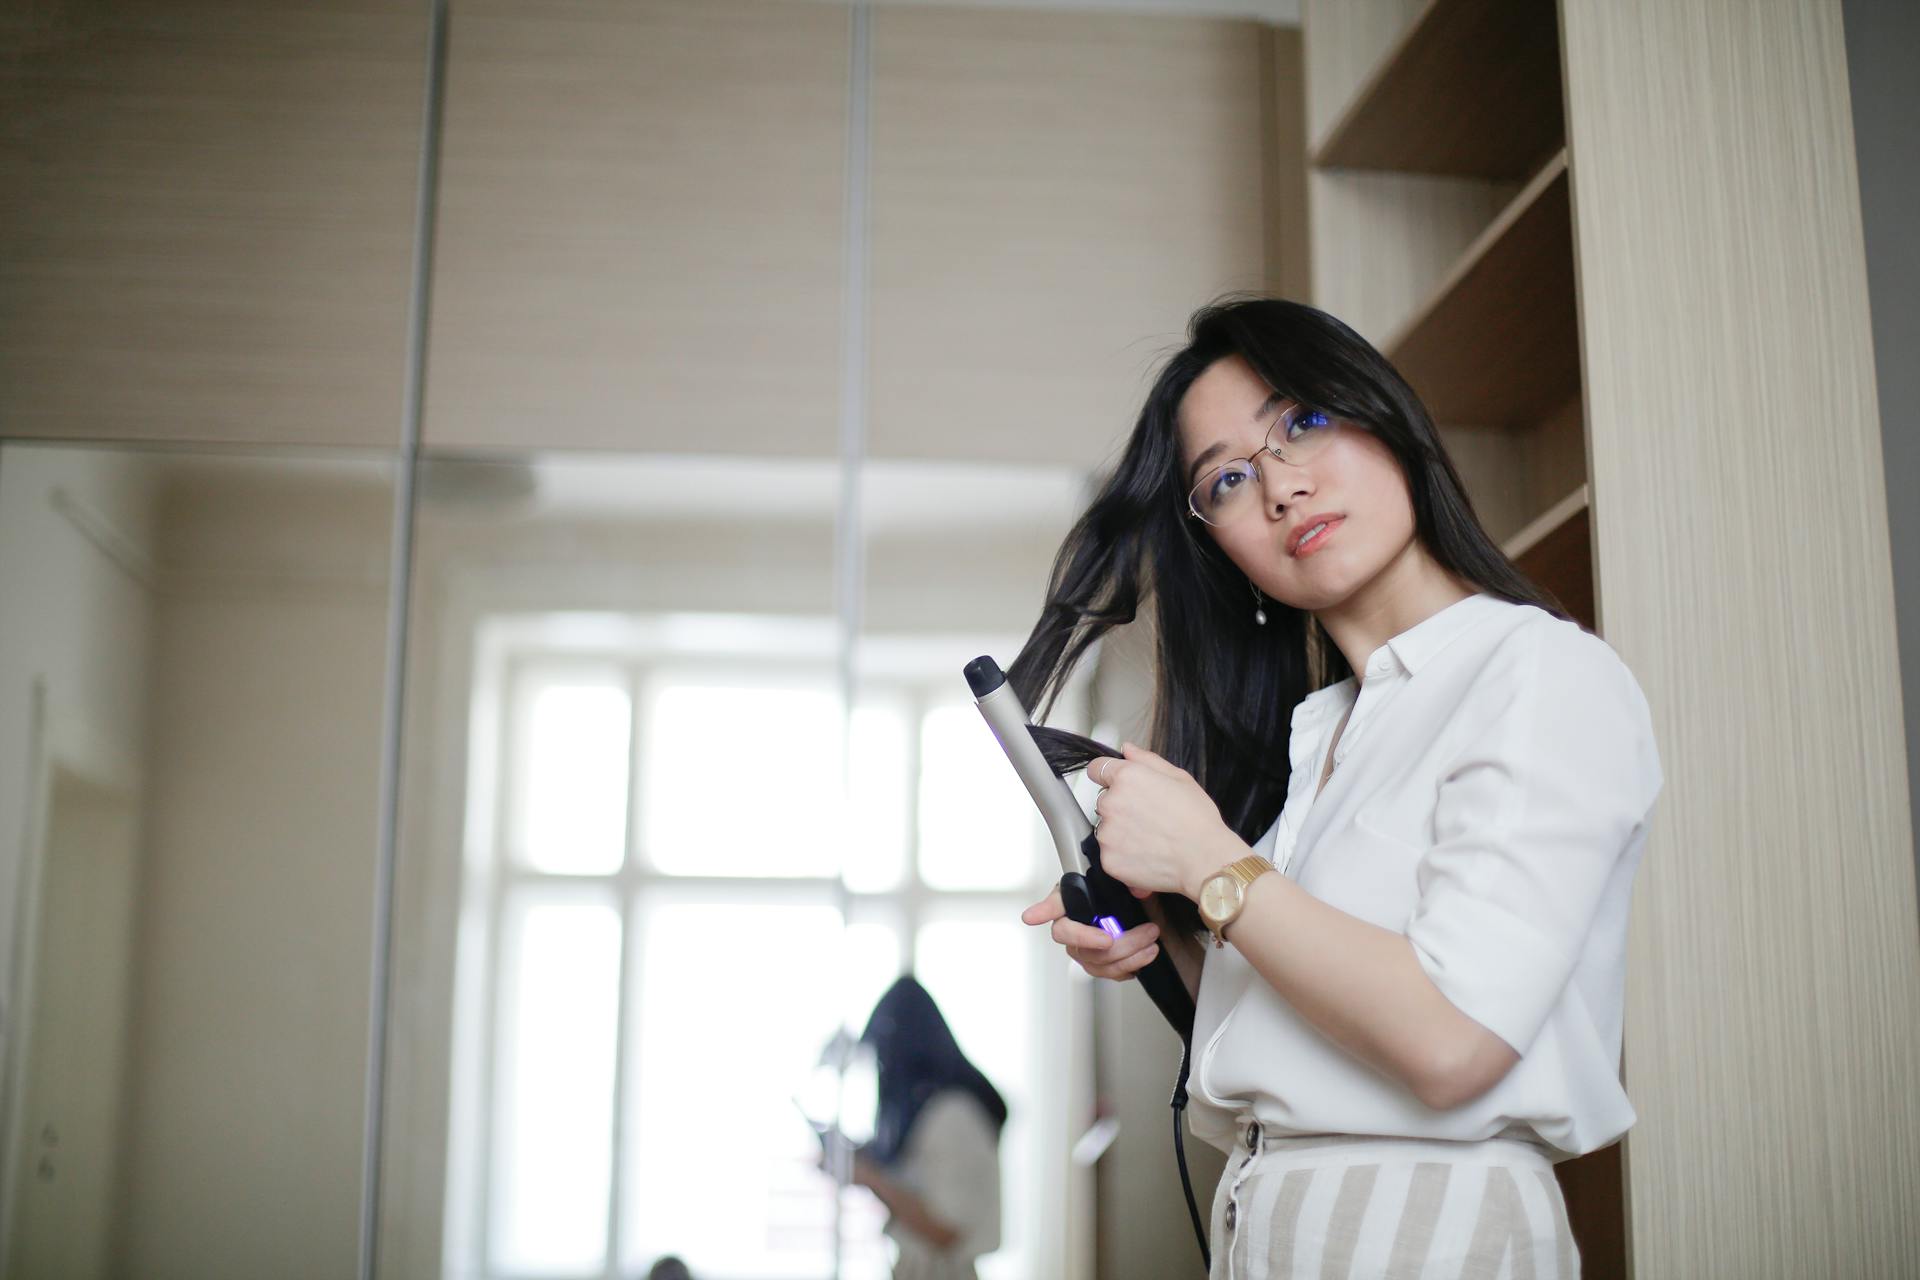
x=1489, y=801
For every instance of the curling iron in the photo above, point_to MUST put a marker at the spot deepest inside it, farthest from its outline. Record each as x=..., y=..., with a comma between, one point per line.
x=1090, y=896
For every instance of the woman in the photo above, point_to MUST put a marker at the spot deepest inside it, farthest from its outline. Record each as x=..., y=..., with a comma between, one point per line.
x=1407, y=792
x=934, y=1160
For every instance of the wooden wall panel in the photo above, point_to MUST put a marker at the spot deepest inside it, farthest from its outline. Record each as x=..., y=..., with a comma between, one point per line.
x=206, y=218
x=1053, y=195
x=639, y=242
x=1348, y=39
x=1289, y=238
x=1739, y=513
x=1383, y=241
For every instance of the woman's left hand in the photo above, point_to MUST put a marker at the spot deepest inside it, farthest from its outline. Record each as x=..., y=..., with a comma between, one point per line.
x=1159, y=830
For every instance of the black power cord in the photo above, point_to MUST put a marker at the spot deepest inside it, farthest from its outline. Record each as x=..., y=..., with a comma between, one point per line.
x=1180, y=1154
x=1090, y=897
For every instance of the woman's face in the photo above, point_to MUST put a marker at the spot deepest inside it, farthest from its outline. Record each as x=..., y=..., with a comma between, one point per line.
x=1354, y=479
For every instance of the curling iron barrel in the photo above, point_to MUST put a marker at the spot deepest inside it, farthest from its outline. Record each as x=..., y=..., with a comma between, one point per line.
x=1090, y=896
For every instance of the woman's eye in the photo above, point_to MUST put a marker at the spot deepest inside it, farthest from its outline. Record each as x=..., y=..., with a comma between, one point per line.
x=1305, y=421
x=1228, y=479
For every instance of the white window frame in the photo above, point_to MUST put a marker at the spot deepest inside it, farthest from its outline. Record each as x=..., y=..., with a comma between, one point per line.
x=493, y=877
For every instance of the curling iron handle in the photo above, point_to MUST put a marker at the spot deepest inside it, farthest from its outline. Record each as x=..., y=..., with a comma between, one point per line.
x=1096, y=898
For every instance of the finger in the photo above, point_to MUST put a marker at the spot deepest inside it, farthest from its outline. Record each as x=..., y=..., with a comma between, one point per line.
x=1093, y=962
x=1132, y=941
x=1074, y=934
x=1099, y=961
x=1120, y=970
x=1048, y=908
x=1104, y=769
x=1141, y=755
x=1137, y=961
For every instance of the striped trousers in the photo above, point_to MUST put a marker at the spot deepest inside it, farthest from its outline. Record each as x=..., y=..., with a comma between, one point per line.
x=1354, y=1207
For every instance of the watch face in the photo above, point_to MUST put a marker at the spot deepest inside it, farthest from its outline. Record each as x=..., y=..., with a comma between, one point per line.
x=1220, y=897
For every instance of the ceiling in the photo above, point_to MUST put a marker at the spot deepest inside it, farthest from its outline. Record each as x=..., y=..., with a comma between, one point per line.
x=1281, y=12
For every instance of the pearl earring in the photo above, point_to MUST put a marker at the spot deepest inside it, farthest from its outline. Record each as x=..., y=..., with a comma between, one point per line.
x=1259, y=604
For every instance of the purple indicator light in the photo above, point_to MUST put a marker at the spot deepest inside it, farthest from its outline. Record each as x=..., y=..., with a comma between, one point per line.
x=1111, y=925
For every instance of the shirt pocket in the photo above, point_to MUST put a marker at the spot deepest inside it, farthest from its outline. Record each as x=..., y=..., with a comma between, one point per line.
x=1368, y=873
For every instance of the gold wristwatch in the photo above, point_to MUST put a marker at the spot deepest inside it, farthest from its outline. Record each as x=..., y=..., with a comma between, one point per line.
x=1224, y=893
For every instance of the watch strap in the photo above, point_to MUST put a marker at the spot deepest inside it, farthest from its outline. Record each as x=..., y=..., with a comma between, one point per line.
x=1245, y=870
x=1248, y=869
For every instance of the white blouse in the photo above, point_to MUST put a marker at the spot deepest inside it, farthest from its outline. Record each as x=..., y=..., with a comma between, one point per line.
x=1490, y=801
x=952, y=1161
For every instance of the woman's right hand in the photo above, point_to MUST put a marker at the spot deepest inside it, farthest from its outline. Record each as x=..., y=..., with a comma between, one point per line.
x=1093, y=949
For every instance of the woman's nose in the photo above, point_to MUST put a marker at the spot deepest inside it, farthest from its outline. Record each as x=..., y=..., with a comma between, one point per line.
x=1282, y=482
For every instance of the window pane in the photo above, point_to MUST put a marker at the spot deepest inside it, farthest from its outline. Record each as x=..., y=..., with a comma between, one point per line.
x=978, y=827
x=553, y=1116
x=981, y=975
x=873, y=957
x=705, y=816
x=736, y=1001
x=571, y=789
x=879, y=781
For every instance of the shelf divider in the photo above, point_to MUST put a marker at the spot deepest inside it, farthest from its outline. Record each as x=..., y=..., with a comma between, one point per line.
x=1556, y=551
x=1471, y=88
x=1497, y=343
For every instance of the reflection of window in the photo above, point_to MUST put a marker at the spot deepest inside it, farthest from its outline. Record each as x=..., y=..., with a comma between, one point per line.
x=682, y=908
x=569, y=784
x=976, y=832
x=692, y=775
x=552, y=1126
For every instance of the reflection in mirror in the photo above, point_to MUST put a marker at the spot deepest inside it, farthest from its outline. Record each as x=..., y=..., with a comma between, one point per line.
x=192, y=653
x=641, y=911
x=957, y=559
x=619, y=941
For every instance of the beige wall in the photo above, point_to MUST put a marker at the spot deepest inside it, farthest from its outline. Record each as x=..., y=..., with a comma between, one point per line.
x=244, y=1145
x=220, y=629
x=206, y=231
x=1053, y=193
x=75, y=642
x=639, y=234
x=77, y=621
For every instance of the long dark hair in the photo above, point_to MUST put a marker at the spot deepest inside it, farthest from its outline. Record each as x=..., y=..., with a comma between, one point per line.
x=917, y=1057
x=1224, y=688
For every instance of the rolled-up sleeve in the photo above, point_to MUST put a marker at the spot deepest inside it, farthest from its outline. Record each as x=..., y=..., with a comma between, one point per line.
x=959, y=1178
x=1533, y=815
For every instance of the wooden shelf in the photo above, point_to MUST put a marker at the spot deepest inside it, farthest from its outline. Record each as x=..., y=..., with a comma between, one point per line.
x=1471, y=89
x=1498, y=342
x=1556, y=551
x=1543, y=527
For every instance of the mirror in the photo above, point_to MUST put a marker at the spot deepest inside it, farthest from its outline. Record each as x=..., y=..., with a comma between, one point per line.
x=619, y=944
x=635, y=900
x=192, y=662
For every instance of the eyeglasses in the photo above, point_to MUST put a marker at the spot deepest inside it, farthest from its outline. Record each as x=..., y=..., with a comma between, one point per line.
x=1226, y=492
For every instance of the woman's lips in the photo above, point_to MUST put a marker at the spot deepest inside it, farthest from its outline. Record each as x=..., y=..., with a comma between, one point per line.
x=1319, y=539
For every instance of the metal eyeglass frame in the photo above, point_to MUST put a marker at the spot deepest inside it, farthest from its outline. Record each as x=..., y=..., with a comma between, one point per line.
x=1282, y=422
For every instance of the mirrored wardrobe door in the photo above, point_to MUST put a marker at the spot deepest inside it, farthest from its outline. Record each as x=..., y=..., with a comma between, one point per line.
x=192, y=661
x=619, y=946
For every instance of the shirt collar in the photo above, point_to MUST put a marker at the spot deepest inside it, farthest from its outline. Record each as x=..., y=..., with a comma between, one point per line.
x=1417, y=645
x=1412, y=648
